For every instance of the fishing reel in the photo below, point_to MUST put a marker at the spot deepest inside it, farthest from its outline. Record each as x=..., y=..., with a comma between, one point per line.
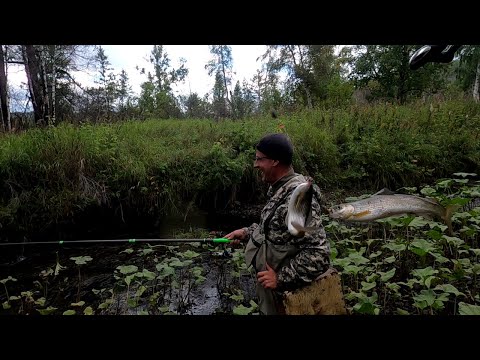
x=224, y=253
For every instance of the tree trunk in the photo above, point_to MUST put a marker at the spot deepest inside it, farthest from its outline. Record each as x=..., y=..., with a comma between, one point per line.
x=228, y=102
x=476, y=86
x=52, y=94
x=304, y=86
x=32, y=70
x=44, y=87
x=4, y=110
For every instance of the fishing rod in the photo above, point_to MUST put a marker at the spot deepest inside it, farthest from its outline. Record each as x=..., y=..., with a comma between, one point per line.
x=61, y=242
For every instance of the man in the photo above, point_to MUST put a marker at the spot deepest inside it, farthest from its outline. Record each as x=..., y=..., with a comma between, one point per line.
x=283, y=262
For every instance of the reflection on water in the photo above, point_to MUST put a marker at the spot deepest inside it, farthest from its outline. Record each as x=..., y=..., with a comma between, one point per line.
x=34, y=267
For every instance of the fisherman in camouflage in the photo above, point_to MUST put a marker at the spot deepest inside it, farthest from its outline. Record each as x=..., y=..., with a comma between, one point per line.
x=283, y=262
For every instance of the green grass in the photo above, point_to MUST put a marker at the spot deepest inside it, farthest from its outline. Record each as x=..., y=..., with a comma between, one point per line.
x=160, y=166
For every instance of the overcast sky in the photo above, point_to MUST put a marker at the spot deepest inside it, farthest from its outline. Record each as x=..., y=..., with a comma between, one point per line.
x=127, y=57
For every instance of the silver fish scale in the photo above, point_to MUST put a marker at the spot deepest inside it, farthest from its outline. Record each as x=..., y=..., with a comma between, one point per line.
x=381, y=206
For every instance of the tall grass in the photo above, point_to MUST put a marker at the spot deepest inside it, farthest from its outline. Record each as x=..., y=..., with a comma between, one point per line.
x=161, y=166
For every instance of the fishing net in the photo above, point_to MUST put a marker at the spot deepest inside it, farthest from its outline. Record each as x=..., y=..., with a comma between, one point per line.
x=323, y=297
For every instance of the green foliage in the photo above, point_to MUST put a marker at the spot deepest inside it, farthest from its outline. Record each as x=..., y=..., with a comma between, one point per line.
x=406, y=270
x=384, y=70
x=156, y=167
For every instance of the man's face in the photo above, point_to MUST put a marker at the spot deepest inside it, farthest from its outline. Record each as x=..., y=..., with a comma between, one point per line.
x=266, y=167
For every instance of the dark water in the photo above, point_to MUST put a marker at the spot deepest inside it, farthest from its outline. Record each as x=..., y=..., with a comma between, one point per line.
x=33, y=267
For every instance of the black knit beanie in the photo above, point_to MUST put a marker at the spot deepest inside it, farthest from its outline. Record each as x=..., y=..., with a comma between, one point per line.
x=277, y=147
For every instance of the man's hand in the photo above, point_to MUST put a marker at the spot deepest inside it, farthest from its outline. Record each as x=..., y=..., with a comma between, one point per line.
x=237, y=236
x=267, y=278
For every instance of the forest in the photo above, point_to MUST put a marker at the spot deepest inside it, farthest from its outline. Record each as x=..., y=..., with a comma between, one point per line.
x=80, y=162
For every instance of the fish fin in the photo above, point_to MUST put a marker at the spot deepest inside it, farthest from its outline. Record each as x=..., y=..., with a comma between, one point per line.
x=302, y=229
x=426, y=216
x=360, y=214
x=449, y=210
x=385, y=191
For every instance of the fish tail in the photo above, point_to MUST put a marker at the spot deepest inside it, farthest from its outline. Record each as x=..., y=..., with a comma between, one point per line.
x=449, y=210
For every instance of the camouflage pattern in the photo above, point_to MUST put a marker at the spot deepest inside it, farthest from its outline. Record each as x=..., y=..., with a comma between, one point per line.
x=311, y=257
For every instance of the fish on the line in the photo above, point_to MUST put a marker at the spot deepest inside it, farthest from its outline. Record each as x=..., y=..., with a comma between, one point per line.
x=299, y=208
x=386, y=203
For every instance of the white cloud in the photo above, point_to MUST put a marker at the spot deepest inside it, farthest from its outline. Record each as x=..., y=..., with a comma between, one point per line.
x=128, y=57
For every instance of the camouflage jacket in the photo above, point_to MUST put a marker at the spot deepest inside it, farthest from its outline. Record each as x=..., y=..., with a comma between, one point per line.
x=312, y=257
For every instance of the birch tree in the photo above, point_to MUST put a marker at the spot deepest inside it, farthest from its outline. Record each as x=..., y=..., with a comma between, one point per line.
x=221, y=65
x=469, y=70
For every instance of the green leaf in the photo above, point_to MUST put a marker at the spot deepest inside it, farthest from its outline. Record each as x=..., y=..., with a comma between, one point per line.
x=375, y=254
x=439, y=258
x=468, y=309
x=428, y=296
x=402, y=312
x=129, y=278
x=176, y=263
x=69, y=312
x=342, y=262
x=141, y=289
x=358, y=259
x=149, y=275
x=242, y=310
x=389, y=260
x=476, y=268
x=59, y=268
x=40, y=301
x=4, y=281
x=127, y=269
x=365, y=308
x=352, y=269
x=393, y=286
x=445, y=183
x=475, y=251
x=88, y=311
x=164, y=309
x=423, y=245
x=418, y=222
x=368, y=286
x=395, y=247
x=146, y=251
x=46, y=273
x=237, y=297
x=128, y=251
x=425, y=272
x=189, y=254
x=427, y=191
x=80, y=303
x=81, y=260
x=434, y=234
x=47, y=311
x=453, y=240
x=419, y=252
x=385, y=276
x=105, y=304
x=464, y=175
